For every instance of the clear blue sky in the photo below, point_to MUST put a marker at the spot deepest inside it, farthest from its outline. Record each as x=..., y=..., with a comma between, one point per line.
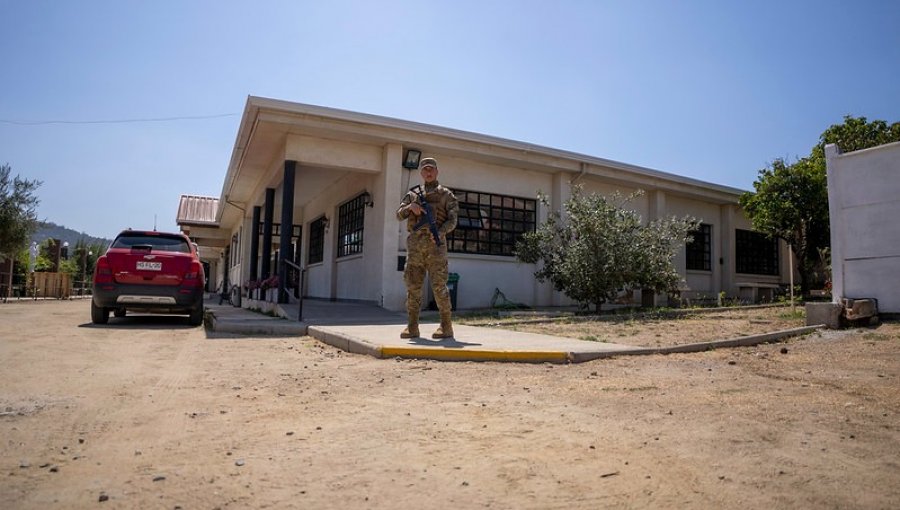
x=708, y=89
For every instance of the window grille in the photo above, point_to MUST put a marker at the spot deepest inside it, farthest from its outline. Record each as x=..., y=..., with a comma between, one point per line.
x=351, y=220
x=316, y=241
x=755, y=253
x=490, y=224
x=699, y=251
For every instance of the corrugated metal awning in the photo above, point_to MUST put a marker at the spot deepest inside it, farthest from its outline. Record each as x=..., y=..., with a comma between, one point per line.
x=197, y=210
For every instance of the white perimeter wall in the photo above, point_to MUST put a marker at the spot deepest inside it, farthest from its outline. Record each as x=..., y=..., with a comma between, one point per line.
x=864, y=204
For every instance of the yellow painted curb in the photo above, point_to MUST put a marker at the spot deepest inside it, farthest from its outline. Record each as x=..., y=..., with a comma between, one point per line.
x=474, y=355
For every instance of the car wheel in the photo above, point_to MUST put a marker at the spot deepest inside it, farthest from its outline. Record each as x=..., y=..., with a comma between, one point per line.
x=99, y=315
x=196, y=318
x=119, y=312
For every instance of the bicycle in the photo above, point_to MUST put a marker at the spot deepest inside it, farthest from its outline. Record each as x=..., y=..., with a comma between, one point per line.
x=228, y=296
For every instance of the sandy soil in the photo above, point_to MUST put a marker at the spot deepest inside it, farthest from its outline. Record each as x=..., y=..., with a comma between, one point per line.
x=150, y=413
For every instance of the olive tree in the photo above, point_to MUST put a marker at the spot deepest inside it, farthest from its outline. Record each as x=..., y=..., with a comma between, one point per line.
x=18, y=217
x=598, y=248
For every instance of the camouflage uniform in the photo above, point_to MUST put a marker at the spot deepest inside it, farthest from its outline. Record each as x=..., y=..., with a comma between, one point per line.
x=422, y=254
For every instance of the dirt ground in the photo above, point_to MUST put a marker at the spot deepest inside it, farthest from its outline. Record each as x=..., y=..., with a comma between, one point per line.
x=148, y=412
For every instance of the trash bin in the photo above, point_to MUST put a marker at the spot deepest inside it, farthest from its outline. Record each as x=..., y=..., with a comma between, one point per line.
x=452, y=285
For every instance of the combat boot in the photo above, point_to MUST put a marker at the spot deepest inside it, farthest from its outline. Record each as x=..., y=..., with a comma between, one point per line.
x=412, y=326
x=410, y=331
x=445, y=330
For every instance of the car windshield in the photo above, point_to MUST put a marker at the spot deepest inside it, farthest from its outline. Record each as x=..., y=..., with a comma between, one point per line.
x=153, y=242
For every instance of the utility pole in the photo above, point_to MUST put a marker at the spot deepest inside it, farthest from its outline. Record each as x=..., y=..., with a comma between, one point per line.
x=85, y=253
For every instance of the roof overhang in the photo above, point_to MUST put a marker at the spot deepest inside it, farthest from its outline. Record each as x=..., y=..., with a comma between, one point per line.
x=266, y=124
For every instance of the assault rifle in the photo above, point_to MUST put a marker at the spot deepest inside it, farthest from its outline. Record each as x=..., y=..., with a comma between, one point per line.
x=428, y=218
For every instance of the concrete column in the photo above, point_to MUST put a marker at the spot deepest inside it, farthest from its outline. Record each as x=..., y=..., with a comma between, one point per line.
x=254, y=243
x=285, y=250
x=656, y=205
x=560, y=193
x=389, y=192
x=656, y=209
x=268, y=211
x=726, y=250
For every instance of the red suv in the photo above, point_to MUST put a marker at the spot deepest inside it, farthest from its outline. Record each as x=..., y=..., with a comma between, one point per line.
x=151, y=272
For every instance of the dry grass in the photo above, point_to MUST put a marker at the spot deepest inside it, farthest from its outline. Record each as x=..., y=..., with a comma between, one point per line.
x=659, y=330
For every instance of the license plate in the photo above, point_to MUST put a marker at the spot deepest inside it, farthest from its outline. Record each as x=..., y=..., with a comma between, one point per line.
x=149, y=266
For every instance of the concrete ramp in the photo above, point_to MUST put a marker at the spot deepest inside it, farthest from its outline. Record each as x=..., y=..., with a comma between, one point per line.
x=368, y=329
x=469, y=344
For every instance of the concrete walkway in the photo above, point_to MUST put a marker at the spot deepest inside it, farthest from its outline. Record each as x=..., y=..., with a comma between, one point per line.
x=369, y=329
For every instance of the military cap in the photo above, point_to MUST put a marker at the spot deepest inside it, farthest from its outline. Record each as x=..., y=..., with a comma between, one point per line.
x=427, y=162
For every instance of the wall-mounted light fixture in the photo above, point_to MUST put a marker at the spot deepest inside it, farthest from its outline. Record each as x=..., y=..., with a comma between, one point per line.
x=367, y=199
x=325, y=222
x=411, y=161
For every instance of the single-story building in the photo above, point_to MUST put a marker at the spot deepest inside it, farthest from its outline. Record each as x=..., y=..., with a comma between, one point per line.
x=336, y=178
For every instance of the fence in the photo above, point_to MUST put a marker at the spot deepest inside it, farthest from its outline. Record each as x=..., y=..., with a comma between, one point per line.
x=40, y=285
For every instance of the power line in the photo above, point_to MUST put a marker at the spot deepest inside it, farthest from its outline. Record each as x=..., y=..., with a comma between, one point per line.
x=114, y=121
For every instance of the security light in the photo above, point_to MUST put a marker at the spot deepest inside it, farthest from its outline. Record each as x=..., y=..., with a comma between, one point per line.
x=411, y=161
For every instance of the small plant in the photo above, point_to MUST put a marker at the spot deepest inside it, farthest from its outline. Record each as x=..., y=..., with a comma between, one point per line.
x=269, y=283
x=799, y=313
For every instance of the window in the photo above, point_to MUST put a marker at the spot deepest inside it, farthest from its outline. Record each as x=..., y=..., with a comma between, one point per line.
x=316, y=241
x=699, y=251
x=351, y=218
x=756, y=253
x=490, y=224
x=236, y=247
x=234, y=250
x=152, y=242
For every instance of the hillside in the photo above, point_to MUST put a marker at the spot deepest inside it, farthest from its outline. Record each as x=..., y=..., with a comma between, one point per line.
x=50, y=230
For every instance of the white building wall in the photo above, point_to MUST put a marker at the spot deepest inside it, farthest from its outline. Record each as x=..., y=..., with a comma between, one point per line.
x=699, y=283
x=640, y=204
x=330, y=172
x=864, y=205
x=352, y=280
x=319, y=275
x=357, y=276
x=741, y=222
x=480, y=275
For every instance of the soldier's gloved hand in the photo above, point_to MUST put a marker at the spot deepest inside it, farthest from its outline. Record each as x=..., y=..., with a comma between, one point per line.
x=416, y=209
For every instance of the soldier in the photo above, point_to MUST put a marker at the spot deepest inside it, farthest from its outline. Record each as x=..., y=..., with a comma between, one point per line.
x=422, y=252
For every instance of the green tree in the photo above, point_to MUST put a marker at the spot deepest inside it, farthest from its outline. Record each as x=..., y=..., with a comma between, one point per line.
x=600, y=249
x=85, y=255
x=43, y=262
x=856, y=133
x=18, y=216
x=790, y=200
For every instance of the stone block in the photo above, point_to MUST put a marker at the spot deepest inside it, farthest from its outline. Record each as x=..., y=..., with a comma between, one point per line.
x=856, y=309
x=828, y=314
